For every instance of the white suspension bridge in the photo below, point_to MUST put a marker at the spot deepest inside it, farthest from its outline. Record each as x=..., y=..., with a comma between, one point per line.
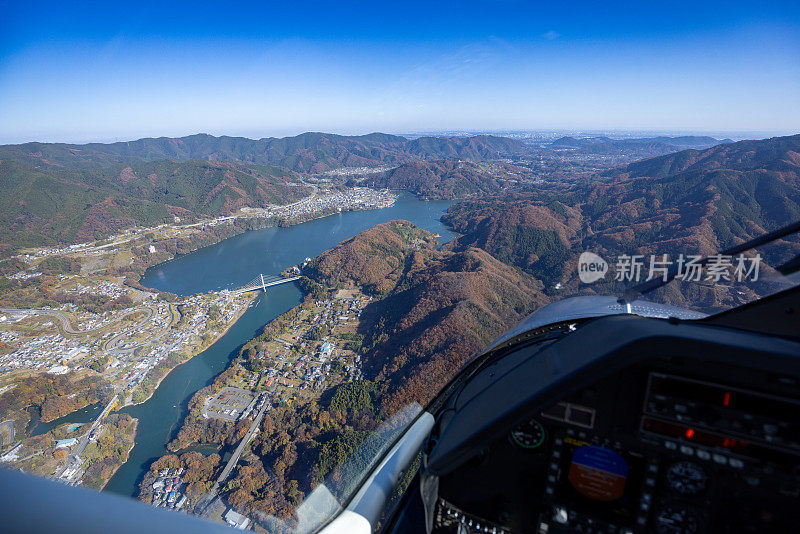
x=262, y=282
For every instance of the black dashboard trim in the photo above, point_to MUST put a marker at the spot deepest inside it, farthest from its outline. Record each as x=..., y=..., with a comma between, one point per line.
x=524, y=380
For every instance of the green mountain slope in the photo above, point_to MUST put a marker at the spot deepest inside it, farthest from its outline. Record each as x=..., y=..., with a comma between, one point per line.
x=42, y=206
x=308, y=152
x=445, y=178
x=476, y=148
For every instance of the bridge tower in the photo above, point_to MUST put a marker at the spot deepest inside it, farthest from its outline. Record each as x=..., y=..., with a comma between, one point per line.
x=263, y=284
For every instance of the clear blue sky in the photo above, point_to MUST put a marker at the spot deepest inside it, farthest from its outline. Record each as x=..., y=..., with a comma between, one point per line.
x=122, y=70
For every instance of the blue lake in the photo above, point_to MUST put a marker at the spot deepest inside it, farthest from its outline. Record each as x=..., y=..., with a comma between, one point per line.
x=230, y=263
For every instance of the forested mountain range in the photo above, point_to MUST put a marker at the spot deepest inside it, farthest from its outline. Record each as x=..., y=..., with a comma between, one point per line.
x=289, y=152
x=315, y=152
x=435, y=308
x=42, y=206
x=61, y=193
x=642, y=147
x=447, y=178
x=309, y=152
x=690, y=201
x=57, y=193
x=777, y=154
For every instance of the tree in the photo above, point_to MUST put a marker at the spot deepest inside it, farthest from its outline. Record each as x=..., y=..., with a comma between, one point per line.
x=255, y=365
x=318, y=332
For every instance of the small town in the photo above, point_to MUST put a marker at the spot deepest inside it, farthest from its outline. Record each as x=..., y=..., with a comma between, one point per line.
x=129, y=351
x=318, y=344
x=320, y=339
x=354, y=198
x=113, y=343
x=312, y=347
x=124, y=345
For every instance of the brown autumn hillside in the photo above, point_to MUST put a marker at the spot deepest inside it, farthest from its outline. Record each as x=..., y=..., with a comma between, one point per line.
x=432, y=310
x=691, y=202
x=447, y=179
x=437, y=308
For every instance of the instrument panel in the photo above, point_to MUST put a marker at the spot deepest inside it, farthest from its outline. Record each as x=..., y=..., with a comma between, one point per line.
x=654, y=448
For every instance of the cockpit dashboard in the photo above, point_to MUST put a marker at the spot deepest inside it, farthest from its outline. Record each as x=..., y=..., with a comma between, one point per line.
x=673, y=442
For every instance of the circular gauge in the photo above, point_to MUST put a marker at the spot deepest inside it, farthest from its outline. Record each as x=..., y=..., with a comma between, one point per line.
x=676, y=519
x=686, y=478
x=528, y=435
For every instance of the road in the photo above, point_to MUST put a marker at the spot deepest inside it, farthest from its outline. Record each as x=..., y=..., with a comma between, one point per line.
x=75, y=457
x=111, y=344
x=65, y=326
x=107, y=245
x=256, y=286
x=206, y=222
x=302, y=201
x=251, y=432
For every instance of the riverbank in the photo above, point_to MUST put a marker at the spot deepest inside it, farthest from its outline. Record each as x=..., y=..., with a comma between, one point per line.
x=235, y=261
x=251, y=220
x=160, y=416
x=290, y=363
x=192, y=352
x=125, y=456
x=108, y=448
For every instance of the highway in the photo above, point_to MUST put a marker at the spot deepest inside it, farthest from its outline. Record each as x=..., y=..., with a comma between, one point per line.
x=302, y=201
x=251, y=432
x=112, y=344
x=65, y=326
x=107, y=245
x=75, y=457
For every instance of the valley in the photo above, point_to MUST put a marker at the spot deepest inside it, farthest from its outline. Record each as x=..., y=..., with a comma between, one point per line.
x=384, y=313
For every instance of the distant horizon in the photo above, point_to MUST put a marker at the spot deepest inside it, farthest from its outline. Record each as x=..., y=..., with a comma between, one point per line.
x=542, y=133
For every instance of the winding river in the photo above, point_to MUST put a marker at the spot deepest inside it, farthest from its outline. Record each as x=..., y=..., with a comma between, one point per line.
x=231, y=263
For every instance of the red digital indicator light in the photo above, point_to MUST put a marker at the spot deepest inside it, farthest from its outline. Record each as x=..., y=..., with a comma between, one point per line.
x=689, y=433
x=726, y=399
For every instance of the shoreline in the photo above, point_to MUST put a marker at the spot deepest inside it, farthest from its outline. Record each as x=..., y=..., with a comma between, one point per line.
x=320, y=215
x=230, y=324
x=194, y=353
x=279, y=223
x=127, y=454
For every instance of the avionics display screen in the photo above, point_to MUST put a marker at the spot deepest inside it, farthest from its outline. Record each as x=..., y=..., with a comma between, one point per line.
x=710, y=439
x=707, y=393
x=600, y=481
x=735, y=419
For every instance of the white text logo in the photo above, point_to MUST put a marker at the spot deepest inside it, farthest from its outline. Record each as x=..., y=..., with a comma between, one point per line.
x=591, y=267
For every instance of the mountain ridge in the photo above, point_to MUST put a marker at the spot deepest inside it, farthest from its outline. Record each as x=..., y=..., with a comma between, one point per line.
x=314, y=152
x=688, y=202
x=644, y=146
x=306, y=152
x=428, y=302
x=46, y=206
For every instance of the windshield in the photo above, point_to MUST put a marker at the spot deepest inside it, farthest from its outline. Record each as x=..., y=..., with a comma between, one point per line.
x=242, y=248
x=691, y=282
